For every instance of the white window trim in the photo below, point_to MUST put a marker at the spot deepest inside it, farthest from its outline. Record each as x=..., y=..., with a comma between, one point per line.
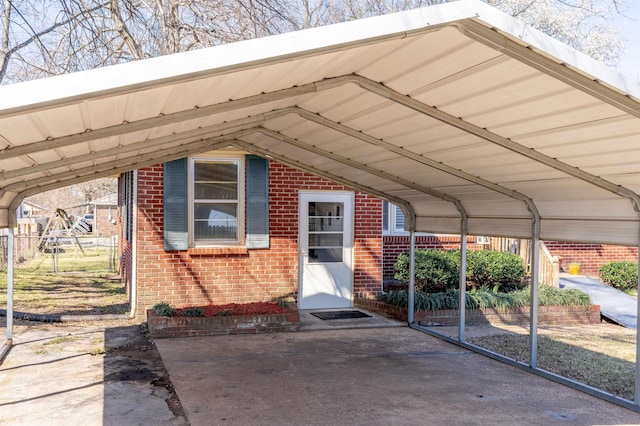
x=219, y=158
x=391, y=215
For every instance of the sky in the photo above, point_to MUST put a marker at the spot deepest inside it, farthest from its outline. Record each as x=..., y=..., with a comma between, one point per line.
x=630, y=32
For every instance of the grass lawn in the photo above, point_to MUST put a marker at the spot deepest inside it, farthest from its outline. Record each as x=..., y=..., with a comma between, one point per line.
x=83, y=285
x=604, y=361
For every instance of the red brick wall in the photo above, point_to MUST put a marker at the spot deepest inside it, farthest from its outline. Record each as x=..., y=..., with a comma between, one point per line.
x=591, y=257
x=214, y=276
x=396, y=244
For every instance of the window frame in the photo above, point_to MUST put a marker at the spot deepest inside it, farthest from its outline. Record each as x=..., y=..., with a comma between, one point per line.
x=239, y=161
x=392, y=212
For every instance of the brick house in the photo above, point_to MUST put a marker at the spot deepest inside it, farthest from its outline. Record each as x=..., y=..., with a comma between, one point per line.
x=230, y=245
x=241, y=242
x=590, y=256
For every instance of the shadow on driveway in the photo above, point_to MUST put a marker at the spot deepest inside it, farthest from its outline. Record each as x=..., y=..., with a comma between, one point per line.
x=93, y=373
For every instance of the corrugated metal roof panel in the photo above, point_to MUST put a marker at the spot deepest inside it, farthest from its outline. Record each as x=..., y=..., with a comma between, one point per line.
x=441, y=107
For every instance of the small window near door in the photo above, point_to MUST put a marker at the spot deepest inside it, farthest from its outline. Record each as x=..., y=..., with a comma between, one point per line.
x=392, y=219
x=326, y=229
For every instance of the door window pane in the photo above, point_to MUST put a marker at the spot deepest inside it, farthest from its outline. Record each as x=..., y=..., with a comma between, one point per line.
x=326, y=232
x=325, y=255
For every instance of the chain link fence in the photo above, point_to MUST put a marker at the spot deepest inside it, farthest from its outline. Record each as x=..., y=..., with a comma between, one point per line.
x=63, y=253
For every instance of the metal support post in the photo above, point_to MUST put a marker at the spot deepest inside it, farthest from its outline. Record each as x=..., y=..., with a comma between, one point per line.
x=535, y=266
x=10, y=278
x=637, y=381
x=462, y=288
x=412, y=278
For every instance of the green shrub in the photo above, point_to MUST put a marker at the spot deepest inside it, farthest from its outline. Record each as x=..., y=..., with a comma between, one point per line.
x=436, y=270
x=484, y=297
x=163, y=309
x=193, y=312
x=439, y=270
x=621, y=275
x=493, y=268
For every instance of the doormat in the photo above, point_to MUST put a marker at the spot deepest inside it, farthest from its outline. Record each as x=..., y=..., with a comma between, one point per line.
x=334, y=315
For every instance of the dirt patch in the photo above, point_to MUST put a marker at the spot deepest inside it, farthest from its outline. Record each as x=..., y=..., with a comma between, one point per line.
x=138, y=360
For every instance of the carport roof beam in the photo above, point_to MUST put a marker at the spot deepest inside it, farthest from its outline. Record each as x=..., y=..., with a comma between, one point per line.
x=561, y=71
x=161, y=120
x=327, y=175
x=90, y=173
x=409, y=154
x=494, y=138
x=123, y=164
x=360, y=166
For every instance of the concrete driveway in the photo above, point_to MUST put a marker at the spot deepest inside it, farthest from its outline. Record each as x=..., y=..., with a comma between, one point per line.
x=374, y=376
x=99, y=373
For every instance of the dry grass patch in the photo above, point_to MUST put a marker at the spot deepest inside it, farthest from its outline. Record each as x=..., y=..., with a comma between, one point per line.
x=605, y=361
x=84, y=286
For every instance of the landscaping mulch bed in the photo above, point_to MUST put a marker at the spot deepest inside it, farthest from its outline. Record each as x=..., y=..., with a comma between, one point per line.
x=232, y=309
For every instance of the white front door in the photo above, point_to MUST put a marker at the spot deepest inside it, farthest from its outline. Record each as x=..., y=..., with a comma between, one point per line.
x=325, y=250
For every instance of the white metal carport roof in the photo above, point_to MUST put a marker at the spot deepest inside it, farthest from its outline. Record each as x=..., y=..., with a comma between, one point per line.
x=448, y=111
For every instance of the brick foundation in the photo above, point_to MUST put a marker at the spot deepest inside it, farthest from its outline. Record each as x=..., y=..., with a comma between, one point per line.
x=547, y=315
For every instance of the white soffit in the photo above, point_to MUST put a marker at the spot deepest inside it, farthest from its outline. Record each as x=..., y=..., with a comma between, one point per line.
x=447, y=110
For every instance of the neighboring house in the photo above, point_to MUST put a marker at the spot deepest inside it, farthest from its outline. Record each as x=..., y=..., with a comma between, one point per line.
x=105, y=215
x=229, y=227
x=100, y=214
x=29, y=209
x=32, y=218
x=591, y=257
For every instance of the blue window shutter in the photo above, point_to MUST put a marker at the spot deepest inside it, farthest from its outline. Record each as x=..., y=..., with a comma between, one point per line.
x=176, y=230
x=257, y=202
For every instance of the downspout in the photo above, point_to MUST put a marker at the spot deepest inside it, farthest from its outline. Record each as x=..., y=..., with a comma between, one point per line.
x=462, y=287
x=134, y=248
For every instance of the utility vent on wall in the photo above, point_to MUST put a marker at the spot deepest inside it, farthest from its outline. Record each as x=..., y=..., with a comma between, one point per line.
x=483, y=240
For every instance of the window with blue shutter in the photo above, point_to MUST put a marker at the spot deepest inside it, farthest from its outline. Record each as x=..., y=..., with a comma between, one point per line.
x=257, y=202
x=176, y=230
x=204, y=202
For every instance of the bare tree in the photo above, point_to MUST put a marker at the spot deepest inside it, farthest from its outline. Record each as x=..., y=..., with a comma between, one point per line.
x=47, y=37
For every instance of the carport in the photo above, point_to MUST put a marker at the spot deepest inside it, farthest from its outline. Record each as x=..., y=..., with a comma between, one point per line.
x=472, y=122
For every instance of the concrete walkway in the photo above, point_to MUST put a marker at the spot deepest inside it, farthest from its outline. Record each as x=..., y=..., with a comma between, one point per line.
x=614, y=304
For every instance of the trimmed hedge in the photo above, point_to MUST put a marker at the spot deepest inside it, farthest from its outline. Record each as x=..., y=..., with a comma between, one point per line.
x=438, y=270
x=621, y=275
x=435, y=270
x=506, y=270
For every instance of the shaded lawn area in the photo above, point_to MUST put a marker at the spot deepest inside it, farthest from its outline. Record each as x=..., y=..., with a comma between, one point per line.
x=83, y=286
x=606, y=362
